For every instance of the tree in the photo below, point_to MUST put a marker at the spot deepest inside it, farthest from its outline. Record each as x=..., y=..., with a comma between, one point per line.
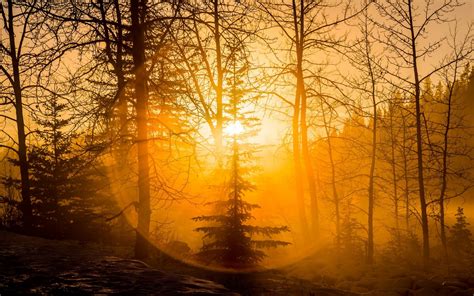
x=352, y=242
x=452, y=126
x=202, y=40
x=65, y=182
x=306, y=26
x=15, y=19
x=229, y=242
x=404, y=27
x=138, y=16
x=364, y=60
x=460, y=239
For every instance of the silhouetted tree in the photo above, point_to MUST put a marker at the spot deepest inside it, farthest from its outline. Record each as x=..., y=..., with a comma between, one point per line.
x=404, y=26
x=230, y=241
x=13, y=57
x=460, y=239
x=68, y=199
x=308, y=27
x=352, y=241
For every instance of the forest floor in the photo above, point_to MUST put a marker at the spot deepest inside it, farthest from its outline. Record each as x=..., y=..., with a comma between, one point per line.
x=31, y=265
x=389, y=276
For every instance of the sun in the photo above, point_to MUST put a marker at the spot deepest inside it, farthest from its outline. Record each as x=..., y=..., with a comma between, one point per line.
x=234, y=129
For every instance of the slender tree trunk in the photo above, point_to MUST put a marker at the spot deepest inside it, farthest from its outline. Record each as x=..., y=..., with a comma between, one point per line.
x=335, y=195
x=333, y=180
x=405, y=176
x=26, y=208
x=444, y=180
x=394, y=176
x=296, y=131
x=309, y=169
x=370, y=211
x=121, y=84
x=421, y=184
x=299, y=170
x=141, y=97
x=119, y=99
x=219, y=86
x=370, y=222
x=304, y=130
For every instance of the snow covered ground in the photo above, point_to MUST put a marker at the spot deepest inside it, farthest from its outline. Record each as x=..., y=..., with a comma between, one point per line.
x=41, y=266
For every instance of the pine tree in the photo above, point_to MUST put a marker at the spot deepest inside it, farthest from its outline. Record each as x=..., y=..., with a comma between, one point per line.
x=352, y=243
x=230, y=240
x=65, y=194
x=460, y=234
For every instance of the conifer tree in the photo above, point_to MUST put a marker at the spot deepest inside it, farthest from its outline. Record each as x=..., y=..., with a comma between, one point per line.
x=65, y=186
x=460, y=234
x=229, y=240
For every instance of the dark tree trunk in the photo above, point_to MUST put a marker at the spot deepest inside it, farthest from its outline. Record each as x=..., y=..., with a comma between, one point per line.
x=444, y=179
x=405, y=175
x=218, y=132
x=370, y=218
x=141, y=98
x=419, y=142
x=304, y=129
x=26, y=208
x=394, y=177
x=296, y=130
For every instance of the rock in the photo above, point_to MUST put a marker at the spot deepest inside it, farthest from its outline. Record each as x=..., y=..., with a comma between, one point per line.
x=368, y=283
x=423, y=292
x=458, y=284
x=385, y=284
x=447, y=290
x=428, y=284
x=470, y=281
x=460, y=292
x=384, y=293
x=404, y=283
x=345, y=285
x=357, y=289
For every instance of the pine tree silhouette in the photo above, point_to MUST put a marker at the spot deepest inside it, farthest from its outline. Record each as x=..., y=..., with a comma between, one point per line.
x=230, y=240
x=460, y=234
x=64, y=184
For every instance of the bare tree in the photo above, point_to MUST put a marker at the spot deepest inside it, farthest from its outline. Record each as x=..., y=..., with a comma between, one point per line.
x=406, y=25
x=452, y=124
x=307, y=26
x=364, y=61
x=16, y=54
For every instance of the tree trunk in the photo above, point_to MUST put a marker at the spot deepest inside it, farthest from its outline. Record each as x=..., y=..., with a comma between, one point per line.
x=219, y=87
x=394, y=177
x=444, y=180
x=370, y=222
x=333, y=179
x=370, y=216
x=26, y=208
x=304, y=130
x=309, y=168
x=141, y=97
x=296, y=132
x=405, y=176
x=122, y=98
x=419, y=142
x=335, y=195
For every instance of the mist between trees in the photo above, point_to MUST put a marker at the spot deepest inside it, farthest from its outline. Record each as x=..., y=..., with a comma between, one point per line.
x=240, y=134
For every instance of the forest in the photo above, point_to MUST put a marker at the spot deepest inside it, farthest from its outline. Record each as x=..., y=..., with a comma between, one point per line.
x=254, y=147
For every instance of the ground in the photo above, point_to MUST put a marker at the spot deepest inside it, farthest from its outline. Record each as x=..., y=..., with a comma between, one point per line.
x=31, y=265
